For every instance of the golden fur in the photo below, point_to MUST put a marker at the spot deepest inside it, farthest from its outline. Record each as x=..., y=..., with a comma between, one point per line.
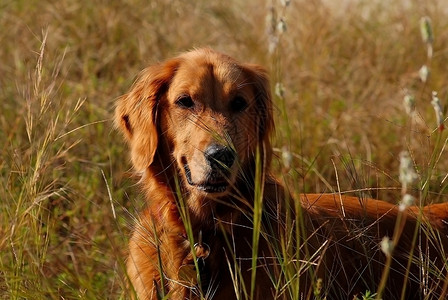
x=199, y=128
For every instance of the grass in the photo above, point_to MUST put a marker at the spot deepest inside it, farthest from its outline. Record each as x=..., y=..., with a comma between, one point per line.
x=67, y=200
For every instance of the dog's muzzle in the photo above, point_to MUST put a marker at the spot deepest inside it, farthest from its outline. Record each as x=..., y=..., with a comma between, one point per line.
x=220, y=160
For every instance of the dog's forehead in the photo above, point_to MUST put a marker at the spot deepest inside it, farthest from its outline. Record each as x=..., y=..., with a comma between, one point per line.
x=209, y=62
x=205, y=76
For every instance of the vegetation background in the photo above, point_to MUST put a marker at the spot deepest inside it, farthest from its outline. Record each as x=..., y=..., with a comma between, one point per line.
x=340, y=71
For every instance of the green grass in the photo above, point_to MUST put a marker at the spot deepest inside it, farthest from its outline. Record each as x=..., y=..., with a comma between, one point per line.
x=67, y=199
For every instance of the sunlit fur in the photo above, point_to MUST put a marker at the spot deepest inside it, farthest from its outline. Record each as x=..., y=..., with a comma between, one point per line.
x=339, y=236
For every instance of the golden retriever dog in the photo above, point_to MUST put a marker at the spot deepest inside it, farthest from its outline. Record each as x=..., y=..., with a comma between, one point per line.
x=217, y=225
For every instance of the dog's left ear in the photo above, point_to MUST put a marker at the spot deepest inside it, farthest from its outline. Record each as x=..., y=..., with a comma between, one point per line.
x=136, y=112
x=262, y=91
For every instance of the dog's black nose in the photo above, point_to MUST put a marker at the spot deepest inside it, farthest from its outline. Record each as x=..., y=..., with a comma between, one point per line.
x=220, y=157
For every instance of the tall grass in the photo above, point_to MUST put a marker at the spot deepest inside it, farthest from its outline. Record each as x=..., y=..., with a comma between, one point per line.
x=66, y=199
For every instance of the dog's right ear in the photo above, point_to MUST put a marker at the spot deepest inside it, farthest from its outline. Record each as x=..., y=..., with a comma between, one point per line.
x=136, y=112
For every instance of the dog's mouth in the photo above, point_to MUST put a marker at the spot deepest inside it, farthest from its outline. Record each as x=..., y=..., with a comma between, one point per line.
x=215, y=182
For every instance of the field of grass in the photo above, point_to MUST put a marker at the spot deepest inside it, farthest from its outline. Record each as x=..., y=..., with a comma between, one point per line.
x=339, y=72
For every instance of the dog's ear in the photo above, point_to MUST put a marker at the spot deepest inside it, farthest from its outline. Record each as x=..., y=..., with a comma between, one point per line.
x=136, y=112
x=262, y=91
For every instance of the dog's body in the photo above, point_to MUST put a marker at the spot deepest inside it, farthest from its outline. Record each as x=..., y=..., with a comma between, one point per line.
x=199, y=130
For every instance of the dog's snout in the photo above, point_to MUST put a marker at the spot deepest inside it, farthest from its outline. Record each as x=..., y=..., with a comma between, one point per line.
x=220, y=157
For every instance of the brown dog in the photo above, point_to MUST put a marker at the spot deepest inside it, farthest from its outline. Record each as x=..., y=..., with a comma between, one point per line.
x=199, y=130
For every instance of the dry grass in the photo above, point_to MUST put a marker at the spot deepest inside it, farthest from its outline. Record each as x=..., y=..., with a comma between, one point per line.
x=66, y=202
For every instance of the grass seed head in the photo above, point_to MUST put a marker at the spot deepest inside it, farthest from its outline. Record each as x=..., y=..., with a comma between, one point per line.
x=387, y=245
x=409, y=103
x=286, y=158
x=281, y=26
x=426, y=30
x=424, y=73
x=285, y=3
x=407, y=173
x=406, y=201
x=279, y=90
x=438, y=110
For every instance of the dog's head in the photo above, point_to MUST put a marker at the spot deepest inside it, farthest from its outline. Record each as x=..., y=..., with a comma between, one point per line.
x=209, y=111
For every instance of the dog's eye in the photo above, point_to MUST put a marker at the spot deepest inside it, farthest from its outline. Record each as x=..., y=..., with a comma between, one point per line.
x=238, y=104
x=185, y=101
